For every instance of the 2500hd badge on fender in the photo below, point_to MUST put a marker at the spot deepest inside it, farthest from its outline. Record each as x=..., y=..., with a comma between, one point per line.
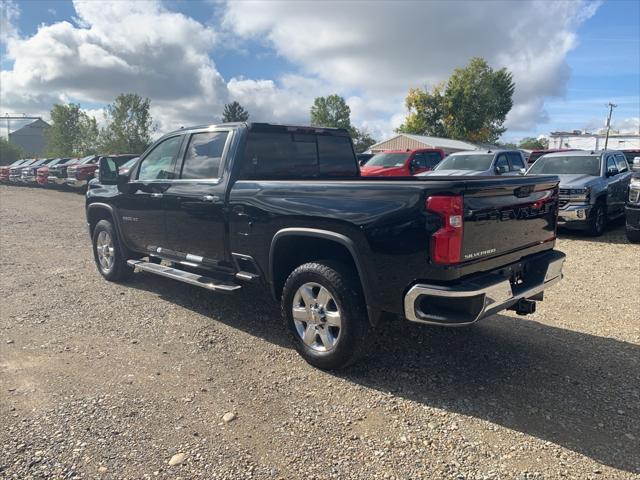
x=286, y=207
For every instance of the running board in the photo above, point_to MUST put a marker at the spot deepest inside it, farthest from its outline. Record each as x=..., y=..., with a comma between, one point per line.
x=209, y=283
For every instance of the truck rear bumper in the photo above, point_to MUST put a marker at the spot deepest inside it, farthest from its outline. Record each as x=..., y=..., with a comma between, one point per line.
x=472, y=299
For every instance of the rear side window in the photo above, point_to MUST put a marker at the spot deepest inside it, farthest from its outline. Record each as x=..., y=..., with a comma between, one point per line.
x=427, y=159
x=298, y=155
x=204, y=155
x=516, y=161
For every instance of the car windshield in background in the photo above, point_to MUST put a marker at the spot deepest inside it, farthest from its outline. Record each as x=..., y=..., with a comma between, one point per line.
x=86, y=159
x=461, y=161
x=129, y=164
x=388, y=160
x=570, y=165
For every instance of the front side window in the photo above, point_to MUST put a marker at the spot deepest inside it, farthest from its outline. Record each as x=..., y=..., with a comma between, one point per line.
x=204, y=156
x=611, y=163
x=621, y=162
x=157, y=165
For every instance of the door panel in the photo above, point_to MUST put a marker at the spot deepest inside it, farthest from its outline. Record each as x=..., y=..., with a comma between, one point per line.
x=196, y=214
x=142, y=207
x=142, y=215
x=196, y=219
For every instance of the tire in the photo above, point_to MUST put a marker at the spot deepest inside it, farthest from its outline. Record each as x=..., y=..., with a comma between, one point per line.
x=633, y=235
x=326, y=294
x=598, y=220
x=108, y=254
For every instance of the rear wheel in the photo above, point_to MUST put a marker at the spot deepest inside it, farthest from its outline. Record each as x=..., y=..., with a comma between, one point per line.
x=598, y=220
x=107, y=253
x=324, y=310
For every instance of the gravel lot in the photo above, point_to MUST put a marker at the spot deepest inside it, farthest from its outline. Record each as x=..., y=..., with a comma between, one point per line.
x=101, y=380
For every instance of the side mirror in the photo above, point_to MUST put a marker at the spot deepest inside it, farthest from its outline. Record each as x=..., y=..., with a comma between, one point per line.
x=108, y=171
x=612, y=171
x=635, y=165
x=523, y=171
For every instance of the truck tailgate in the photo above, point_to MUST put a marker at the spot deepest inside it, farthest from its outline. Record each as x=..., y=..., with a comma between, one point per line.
x=517, y=214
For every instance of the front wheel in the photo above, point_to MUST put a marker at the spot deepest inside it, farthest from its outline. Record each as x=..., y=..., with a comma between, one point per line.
x=107, y=253
x=324, y=310
x=633, y=235
x=598, y=220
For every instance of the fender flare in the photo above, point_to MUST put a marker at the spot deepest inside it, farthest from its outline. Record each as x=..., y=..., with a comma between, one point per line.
x=114, y=217
x=333, y=237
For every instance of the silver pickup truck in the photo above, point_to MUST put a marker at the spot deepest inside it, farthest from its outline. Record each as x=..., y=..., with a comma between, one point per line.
x=593, y=186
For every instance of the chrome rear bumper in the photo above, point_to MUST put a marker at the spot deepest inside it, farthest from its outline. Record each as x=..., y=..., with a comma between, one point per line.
x=474, y=299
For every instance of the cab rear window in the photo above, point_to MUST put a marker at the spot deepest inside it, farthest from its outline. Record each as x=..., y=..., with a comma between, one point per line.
x=270, y=155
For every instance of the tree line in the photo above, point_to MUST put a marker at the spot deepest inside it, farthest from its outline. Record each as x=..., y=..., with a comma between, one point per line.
x=471, y=105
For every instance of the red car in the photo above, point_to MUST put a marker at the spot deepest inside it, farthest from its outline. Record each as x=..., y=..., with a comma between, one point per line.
x=536, y=154
x=4, y=171
x=80, y=174
x=402, y=163
x=42, y=173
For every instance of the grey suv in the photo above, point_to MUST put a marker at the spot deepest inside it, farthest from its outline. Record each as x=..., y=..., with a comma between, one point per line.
x=480, y=162
x=593, y=186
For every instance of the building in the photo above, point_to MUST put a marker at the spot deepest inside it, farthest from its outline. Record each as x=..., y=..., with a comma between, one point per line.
x=31, y=138
x=583, y=140
x=406, y=141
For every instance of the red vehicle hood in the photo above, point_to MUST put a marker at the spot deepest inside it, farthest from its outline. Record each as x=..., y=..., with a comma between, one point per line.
x=368, y=171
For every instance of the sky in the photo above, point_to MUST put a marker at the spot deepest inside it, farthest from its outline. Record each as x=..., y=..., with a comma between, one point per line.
x=568, y=59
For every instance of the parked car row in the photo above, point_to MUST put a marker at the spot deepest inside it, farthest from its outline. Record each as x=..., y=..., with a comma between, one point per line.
x=75, y=173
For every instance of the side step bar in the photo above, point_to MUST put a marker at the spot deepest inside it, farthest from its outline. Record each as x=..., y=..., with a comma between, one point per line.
x=209, y=283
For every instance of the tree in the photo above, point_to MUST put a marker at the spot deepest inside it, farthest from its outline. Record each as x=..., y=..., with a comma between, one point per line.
x=472, y=106
x=234, y=112
x=362, y=140
x=72, y=132
x=530, y=143
x=128, y=127
x=426, y=113
x=331, y=111
x=9, y=153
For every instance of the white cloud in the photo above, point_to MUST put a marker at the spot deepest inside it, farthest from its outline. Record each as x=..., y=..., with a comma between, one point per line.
x=371, y=54
x=118, y=47
x=9, y=13
x=377, y=52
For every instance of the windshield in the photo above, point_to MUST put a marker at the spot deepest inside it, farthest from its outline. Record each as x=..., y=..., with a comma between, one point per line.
x=466, y=161
x=388, y=160
x=570, y=165
x=86, y=159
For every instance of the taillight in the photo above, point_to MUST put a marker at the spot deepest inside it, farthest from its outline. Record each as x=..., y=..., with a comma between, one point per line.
x=446, y=243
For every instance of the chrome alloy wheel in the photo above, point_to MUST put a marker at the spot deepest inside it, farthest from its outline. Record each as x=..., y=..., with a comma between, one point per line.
x=105, y=251
x=316, y=316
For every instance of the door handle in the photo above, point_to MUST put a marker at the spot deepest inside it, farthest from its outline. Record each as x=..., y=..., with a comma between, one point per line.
x=210, y=198
x=156, y=195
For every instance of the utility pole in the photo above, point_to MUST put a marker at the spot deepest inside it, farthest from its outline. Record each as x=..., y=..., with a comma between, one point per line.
x=606, y=138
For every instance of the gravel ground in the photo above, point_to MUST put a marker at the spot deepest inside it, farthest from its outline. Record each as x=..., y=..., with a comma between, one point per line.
x=101, y=380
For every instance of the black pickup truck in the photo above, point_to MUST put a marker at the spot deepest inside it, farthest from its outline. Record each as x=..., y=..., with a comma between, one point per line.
x=222, y=205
